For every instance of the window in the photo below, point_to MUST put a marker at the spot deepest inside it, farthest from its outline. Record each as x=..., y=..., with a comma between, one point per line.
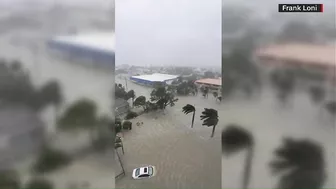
x=143, y=176
x=137, y=172
x=150, y=171
x=145, y=170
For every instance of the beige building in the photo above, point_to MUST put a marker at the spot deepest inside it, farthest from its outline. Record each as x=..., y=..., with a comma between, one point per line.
x=213, y=84
x=319, y=59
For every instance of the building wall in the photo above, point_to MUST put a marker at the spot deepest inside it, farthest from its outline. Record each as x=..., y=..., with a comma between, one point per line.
x=210, y=86
x=269, y=64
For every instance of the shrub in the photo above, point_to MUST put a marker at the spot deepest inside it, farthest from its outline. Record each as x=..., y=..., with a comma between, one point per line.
x=131, y=115
x=118, y=128
x=9, y=179
x=39, y=183
x=127, y=125
x=51, y=159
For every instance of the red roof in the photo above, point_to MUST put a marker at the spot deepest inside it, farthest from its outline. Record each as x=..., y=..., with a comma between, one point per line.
x=210, y=81
x=323, y=55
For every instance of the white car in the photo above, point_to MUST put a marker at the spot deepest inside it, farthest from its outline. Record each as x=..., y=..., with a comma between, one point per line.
x=144, y=172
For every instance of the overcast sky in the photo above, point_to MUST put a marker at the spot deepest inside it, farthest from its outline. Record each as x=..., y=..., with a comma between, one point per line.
x=168, y=32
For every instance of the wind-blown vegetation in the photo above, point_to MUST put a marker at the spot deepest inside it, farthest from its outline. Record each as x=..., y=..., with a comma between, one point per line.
x=210, y=119
x=234, y=139
x=81, y=114
x=190, y=109
x=302, y=162
x=16, y=87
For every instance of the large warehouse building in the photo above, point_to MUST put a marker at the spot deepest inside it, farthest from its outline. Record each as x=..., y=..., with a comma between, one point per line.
x=96, y=47
x=153, y=78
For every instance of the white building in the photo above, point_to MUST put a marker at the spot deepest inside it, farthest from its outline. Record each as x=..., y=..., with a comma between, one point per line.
x=96, y=48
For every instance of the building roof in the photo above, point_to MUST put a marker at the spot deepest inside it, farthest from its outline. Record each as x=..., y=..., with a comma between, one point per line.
x=210, y=81
x=323, y=55
x=94, y=46
x=102, y=41
x=156, y=77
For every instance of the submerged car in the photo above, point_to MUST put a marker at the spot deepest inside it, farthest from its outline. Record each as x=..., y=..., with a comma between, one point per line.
x=144, y=172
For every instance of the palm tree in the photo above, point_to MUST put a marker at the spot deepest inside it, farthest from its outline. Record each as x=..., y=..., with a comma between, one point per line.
x=215, y=94
x=188, y=109
x=39, y=183
x=284, y=82
x=317, y=94
x=210, y=117
x=118, y=144
x=131, y=94
x=205, y=92
x=51, y=93
x=10, y=179
x=235, y=138
x=302, y=161
x=331, y=107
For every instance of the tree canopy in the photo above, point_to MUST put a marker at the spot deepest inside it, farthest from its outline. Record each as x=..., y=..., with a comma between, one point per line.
x=16, y=87
x=81, y=114
x=9, y=179
x=140, y=101
x=303, y=163
x=39, y=183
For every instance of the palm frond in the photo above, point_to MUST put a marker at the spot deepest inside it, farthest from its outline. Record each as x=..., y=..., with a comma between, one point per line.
x=303, y=162
x=300, y=154
x=188, y=109
x=235, y=138
x=209, y=117
x=209, y=112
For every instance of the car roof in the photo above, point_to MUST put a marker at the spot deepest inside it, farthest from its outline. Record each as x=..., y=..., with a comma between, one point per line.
x=142, y=170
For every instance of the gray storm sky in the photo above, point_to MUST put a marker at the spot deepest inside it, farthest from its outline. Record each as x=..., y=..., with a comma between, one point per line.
x=168, y=32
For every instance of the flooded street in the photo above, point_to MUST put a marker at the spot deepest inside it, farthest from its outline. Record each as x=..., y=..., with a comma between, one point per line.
x=166, y=140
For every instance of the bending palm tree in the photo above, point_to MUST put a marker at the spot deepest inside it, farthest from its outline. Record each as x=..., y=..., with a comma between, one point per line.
x=303, y=164
x=118, y=144
x=210, y=117
x=188, y=109
x=235, y=138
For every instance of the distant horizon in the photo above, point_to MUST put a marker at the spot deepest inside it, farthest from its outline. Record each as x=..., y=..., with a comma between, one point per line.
x=164, y=66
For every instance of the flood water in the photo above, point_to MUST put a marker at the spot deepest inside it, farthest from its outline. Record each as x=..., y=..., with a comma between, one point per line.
x=268, y=121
